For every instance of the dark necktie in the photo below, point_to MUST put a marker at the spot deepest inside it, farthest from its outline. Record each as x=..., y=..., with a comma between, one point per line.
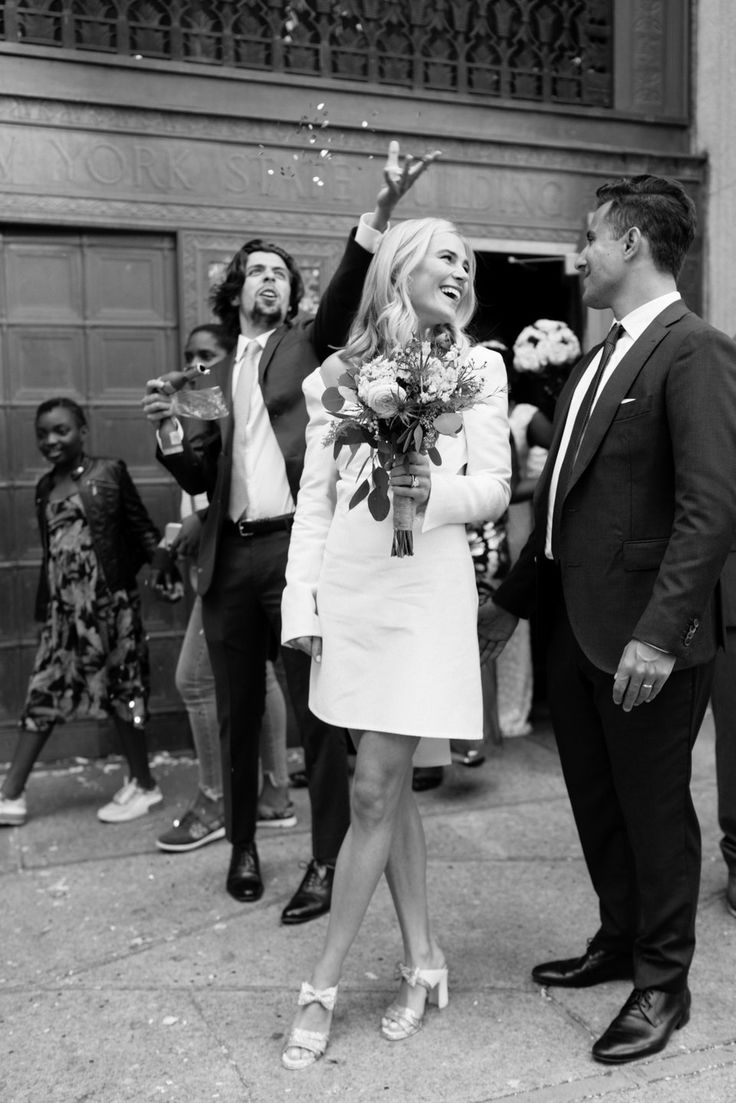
x=578, y=432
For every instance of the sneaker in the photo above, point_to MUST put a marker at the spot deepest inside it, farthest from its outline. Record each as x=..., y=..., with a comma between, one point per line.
x=277, y=817
x=13, y=812
x=130, y=802
x=192, y=831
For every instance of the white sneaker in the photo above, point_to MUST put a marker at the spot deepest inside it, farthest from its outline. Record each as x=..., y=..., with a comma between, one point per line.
x=13, y=812
x=130, y=802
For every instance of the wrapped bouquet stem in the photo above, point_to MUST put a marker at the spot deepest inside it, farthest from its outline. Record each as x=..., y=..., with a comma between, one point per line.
x=397, y=403
x=405, y=513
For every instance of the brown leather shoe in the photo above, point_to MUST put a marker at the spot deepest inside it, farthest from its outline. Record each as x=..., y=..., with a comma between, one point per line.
x=643, y=1025
x=594, y=967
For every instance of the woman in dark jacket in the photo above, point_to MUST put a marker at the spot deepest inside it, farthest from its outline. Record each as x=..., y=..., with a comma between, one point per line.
x=92, y=658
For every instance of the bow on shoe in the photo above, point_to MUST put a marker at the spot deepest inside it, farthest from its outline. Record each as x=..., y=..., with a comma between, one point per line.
x=403, y=972
x=326, y=997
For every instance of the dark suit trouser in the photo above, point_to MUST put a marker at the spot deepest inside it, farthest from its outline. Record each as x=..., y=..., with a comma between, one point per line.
x=723, y=700
x=241, y=614
x=628, y=778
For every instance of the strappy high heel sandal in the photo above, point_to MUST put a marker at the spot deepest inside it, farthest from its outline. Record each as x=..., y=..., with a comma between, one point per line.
x=312, y=1042
x=401, y=1022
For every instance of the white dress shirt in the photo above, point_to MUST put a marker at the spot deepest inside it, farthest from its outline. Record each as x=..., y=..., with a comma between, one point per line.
x=266, y=482
x=634, y=325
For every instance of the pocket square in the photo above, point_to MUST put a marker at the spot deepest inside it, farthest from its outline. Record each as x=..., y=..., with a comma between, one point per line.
x=625, y=400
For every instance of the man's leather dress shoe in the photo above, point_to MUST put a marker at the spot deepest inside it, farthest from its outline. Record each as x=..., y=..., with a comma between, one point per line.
x=313, y=897
x=244, y=875
x=594, y=967
x=643, y=1025
x=426, y=777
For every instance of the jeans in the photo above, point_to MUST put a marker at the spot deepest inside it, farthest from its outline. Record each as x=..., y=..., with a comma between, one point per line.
x=196, y=685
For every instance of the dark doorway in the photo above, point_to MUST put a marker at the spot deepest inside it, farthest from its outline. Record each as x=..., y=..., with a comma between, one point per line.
x=514, y=290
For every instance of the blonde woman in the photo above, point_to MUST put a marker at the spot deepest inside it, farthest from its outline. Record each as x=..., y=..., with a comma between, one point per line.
x=393, y=640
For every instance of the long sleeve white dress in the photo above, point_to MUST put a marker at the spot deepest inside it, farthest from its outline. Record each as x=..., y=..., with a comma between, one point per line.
x=399, y=635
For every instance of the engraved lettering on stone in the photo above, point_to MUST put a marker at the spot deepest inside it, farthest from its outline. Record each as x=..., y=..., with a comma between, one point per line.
x=235, y=173
x=105, y=164
x=67, y=154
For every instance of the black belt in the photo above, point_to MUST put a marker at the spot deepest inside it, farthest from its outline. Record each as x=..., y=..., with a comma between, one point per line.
x=260, y=528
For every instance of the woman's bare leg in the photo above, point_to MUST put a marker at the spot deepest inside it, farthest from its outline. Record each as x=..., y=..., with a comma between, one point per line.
x=382, y=772
x=406, y=873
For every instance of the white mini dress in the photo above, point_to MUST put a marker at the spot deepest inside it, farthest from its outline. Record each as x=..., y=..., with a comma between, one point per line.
x=399, y=635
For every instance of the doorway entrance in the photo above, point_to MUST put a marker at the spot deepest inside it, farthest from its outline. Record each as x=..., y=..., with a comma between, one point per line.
x=514, y=289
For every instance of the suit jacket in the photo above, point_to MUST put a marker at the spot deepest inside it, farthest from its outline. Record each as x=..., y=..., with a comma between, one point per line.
x=650, y=509
x=292, y=352
x=728, y=590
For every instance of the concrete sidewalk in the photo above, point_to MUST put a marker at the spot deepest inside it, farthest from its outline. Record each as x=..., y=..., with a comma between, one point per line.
x=128, y=975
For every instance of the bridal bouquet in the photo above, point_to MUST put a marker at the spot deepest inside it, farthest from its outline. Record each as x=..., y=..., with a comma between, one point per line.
x=397, y=403
x=545, y=344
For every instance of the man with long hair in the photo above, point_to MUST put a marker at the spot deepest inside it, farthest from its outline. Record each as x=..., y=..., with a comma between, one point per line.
x=251, y=470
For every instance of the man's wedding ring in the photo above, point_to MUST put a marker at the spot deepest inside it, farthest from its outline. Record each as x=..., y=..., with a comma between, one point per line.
x=645, y=686
x=414, y=482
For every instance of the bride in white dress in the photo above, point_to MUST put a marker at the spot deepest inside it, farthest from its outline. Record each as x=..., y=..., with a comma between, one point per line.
x=394, y=640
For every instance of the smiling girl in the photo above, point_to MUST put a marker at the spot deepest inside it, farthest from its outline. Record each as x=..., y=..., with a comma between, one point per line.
x=92, y=658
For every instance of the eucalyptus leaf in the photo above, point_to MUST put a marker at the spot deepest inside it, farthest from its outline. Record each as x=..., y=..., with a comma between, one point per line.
x=449, y=424
x=378, y=504
x=435, y=457
x=360, y=494
x=353, y=435
x=332, y=400
x=380, y=479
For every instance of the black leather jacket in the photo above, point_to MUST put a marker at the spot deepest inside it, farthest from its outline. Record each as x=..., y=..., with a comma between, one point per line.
x=123, y=534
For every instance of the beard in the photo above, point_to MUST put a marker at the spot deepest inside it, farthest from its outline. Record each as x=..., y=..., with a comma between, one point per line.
x=273, y=313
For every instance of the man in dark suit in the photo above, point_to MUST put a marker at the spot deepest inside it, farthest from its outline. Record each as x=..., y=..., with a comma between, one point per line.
x=250, y=469
x=723, y=702
x=634, y=516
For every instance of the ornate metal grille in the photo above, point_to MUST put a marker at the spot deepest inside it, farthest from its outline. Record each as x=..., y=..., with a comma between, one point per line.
x=556, y=51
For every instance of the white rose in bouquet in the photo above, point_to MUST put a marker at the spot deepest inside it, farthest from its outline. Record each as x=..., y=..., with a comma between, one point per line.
x=382, y=396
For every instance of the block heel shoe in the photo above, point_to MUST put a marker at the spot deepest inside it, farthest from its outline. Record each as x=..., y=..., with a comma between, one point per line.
x=401, y=1022
x=312, y=1043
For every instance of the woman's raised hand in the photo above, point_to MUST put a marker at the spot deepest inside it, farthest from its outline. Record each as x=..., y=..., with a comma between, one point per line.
x=398, y=178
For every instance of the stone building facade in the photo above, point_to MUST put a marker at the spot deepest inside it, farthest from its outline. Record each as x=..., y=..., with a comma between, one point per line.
x=141, y=143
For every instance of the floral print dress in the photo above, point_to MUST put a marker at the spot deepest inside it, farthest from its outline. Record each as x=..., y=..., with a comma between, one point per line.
x=92, y=658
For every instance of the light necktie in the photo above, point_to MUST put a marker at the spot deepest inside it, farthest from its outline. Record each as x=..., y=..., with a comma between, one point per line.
x=247, y=380
x=578, y=432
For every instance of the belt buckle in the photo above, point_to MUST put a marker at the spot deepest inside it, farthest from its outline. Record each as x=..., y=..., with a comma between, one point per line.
x=242, y=531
